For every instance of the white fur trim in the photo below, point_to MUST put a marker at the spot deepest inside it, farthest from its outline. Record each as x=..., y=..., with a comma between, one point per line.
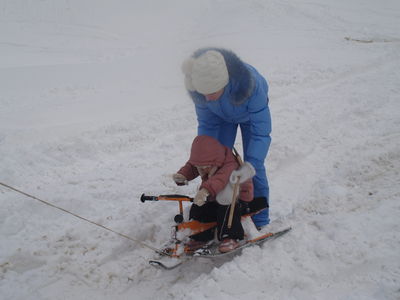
x=246, y=171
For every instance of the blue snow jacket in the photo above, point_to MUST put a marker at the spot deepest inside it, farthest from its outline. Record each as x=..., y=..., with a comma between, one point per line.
x=244, y=101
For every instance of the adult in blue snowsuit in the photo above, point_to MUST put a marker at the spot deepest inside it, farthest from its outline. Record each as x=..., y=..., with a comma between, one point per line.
x=228, y=93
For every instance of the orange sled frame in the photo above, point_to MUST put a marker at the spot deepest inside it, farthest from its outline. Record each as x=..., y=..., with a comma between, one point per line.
x=175, y=247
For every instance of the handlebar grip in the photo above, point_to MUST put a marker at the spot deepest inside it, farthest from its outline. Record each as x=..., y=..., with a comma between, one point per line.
x=144, y=198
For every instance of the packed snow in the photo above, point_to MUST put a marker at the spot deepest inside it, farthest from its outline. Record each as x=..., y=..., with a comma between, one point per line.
x=93, y=113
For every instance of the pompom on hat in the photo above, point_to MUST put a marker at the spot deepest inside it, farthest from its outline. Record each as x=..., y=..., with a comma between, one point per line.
x=206, y=74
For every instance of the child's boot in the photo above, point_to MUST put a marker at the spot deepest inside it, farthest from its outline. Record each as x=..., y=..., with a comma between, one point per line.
x=228, y=245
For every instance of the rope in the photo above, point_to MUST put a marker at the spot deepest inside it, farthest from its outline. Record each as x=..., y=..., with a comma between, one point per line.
x=235, y=189
x=84, y=219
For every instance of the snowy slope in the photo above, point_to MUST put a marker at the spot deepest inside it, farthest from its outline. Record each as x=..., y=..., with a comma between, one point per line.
x=93, y=113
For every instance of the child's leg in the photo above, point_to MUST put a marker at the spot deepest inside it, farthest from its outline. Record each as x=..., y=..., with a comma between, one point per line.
x=205, y=213
x=236, y=231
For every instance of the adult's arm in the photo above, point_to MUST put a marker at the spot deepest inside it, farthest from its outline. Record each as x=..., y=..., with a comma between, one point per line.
x=260, y=123
x=208, y=122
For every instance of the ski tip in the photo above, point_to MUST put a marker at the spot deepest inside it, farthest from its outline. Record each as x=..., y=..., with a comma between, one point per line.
x=283, y=231
x=155, y=263
x=159, y=264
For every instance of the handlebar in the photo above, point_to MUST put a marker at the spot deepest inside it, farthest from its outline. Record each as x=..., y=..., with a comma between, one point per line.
x=173, y=197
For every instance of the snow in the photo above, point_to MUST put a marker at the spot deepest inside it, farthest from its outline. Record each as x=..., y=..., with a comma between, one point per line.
x=93, y=113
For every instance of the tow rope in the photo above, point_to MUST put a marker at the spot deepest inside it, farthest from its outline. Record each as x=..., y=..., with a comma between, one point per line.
x=82, y=218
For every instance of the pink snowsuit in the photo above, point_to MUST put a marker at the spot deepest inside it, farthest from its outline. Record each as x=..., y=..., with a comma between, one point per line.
x=207, y=151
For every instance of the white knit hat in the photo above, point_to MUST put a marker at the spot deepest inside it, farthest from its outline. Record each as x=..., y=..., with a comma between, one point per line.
x=207, y=73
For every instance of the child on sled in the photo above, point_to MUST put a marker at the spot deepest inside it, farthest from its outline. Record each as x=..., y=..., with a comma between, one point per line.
x=219, y=170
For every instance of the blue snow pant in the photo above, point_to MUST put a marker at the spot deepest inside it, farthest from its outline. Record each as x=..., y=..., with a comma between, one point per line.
x=226, y=136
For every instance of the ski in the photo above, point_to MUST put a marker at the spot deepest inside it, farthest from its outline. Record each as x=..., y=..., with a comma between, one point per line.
x=213, y=253
x=170, y=263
